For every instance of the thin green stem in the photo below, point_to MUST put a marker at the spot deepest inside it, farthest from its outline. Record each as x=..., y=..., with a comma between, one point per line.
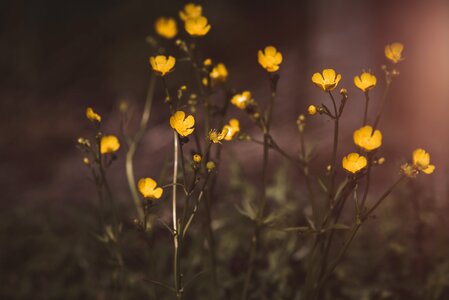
x=365, y=115
x=133, y=146
x=334, y=149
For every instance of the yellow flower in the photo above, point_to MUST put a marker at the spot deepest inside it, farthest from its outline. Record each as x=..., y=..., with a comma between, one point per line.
x=162, y=64
x=219, y=73
x=232, y=128
x=354, y=162
x=216, y=137
x=207, y=62
x=270, y=59
x=182, y=124
x=311, y=110
x=197, y=158
x=197, y=26
x=92, y=116
x=210, y=165
x=327, y=80
x=394, y=52
x=409, y=170
x=421, y=161
x=166, y=27
x=366, y=139
x=148, y=188
x=365, y=81
x=241, y=100
x=191, y=10
x=109, y=144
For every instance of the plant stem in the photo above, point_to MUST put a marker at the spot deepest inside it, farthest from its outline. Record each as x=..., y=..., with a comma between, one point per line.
x=334, y=150
x=133, y=146
x=176, y=256
x=383, y=102
x=255, y=240
x=365, y=115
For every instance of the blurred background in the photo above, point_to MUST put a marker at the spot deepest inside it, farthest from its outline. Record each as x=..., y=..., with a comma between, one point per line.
x=57, y=57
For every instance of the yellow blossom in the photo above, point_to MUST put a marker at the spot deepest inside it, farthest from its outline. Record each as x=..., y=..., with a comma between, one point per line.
x=216, y=137
x=148, y=188
x=394, y=52
x=92, y=116
x=162, y=64
x=421, y=161
x=354, y=162
x=219, y=73
x=327, y=80
x=311, y=110
x=109, y=144
x=197, y=26
x=366, y=139
x=210, y=165
x=207, y=62
x=365, y=81
x=197, y=158
x=270, y=58
x=191, y=10
x=409, y=170
x=233, y=128
x=166, y=27
x=182, y=124
x=241, y=100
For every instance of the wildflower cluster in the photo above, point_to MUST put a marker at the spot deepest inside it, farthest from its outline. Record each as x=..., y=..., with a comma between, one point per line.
x=203, y=128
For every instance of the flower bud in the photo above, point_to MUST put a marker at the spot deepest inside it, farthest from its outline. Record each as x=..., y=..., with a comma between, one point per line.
x=312, y=110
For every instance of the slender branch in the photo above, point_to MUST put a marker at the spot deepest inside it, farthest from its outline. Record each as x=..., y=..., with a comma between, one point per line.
x=133, y=146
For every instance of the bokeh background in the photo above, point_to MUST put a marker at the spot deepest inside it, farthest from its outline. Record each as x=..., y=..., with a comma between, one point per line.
x=57, y=57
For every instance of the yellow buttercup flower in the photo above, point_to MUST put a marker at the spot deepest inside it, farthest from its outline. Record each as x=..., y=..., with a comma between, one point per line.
x=166, y=27
x=327, y=80
x=233, y=128
x=207, y=62
x=269, y=58
x=394, y=52
x=210, y=165
x=182, y=124
x=197, y=158
x=190, y=11
x=421, y=161
x=354, y=162
x=366, y=139
x=219, y=73
x=216, y=137
x=311, y=110
x=365, y=81
x=148, y=188
x=109, y=144
x=197, y=26
x=162, y=64
x=241, y=100
x=92, y=116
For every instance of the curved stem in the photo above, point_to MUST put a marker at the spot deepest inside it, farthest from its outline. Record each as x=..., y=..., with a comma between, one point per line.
x=133, y=146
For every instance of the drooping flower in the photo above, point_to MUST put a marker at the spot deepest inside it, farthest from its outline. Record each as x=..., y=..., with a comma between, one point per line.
x=311, y=110
x=166, y=27
x=92, y=116
x=190, y=11
x=233, y=128
x=421, y=161
x=148, y=188
x=269, y=58
x=219, y=73
x=197, y=26
x=354, y=162
x=216, y=137
x=365, y=81
x=162, y=64
x=394, y=52
x=182, y=124
x=241, y=100
x=366, y=139
x=327, y=80
x=109, y=144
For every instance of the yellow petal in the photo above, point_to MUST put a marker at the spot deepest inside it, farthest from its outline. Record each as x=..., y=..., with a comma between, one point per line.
x=158, y=193
x=329, y=75
x=429, y=169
